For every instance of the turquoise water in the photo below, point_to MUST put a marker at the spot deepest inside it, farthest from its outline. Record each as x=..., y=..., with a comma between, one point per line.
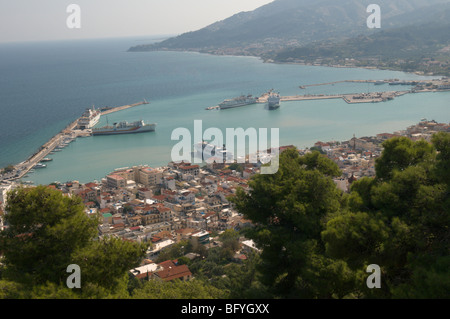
x=45, y=86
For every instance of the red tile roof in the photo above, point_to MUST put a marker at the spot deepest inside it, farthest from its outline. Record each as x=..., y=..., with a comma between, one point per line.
x=175, y=272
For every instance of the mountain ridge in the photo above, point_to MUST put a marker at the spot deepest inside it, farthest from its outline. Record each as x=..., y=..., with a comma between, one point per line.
x=291, y=23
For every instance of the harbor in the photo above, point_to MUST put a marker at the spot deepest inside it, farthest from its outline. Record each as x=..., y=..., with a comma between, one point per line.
x=352, y=98
x=66, y=136
x=438, y=85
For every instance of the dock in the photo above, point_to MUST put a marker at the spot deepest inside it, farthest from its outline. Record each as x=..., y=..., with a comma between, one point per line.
x=389, y=81
x=350, y=98
x=69, y=133
x=124, y=107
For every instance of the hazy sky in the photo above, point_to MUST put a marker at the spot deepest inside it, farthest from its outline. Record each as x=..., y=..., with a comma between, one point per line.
x=36, y=20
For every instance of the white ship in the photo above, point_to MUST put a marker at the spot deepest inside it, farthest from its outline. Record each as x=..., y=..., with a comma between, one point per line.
x=238, y=101
x=124, y=128
x=273, y=101
x=89, y=119
x=203, y=150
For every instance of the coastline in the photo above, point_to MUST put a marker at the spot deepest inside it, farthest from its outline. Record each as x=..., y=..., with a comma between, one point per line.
x=269, y=60
x=70, y=132
x=243, y=62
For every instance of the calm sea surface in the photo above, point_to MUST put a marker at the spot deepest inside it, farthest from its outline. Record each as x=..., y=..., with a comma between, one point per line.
x=45, y=86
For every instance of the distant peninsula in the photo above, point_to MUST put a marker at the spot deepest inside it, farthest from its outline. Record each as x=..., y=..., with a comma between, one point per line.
x=330, y=33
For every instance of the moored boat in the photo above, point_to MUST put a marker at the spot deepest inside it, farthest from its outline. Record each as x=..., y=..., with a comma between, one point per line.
x=124, y=128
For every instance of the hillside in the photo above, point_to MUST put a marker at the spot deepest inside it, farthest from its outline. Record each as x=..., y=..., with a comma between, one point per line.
x=292, y=23
x=424, y=48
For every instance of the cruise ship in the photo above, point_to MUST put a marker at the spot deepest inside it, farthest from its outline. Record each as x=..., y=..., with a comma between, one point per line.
x=238, y=101
x=273, y=101
x=204, y=151
x=124, y=128
x=89, y=119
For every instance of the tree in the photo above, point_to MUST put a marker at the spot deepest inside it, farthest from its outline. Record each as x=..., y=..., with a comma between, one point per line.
x=175, y=251
x=107, y=261
x=44, y=229
x=177, y=289
x=442, y=143
x=236, y=167
x=230, y=240
x=290, y=209
x=49, y=231
x=400, y=153
x=399, y=220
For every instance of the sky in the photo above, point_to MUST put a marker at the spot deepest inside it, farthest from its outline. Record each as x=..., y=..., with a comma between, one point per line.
x=46, y=20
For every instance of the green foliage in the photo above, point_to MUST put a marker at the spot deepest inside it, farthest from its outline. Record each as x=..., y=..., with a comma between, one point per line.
x=230, y=240
x=236, y=167
x=45, y=229
x=290, y=208
x=316, y=242
x=399, y=220
x=49, y=231
x=400, y=153
x=177, y=289
x=104, y=262
x=404, y=226
x=12, y=290
x=317, y=149
x=52, y=291
x=430, y=279
x=175, y=251
x=355, y=238
x=407, y=48
x=442, y=143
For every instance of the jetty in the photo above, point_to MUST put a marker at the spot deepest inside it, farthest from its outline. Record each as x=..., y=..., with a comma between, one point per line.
x=60, y=140
x=124, y=107
x=437, y=85
x=377, y=82
x=350, y=98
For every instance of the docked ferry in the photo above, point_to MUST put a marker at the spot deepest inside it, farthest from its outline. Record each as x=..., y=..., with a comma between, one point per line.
x=273, y=102
x=124, y=128
x=238, y=101
x=89, y=119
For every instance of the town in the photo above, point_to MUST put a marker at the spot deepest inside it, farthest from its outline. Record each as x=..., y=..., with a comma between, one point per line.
x=183, y=202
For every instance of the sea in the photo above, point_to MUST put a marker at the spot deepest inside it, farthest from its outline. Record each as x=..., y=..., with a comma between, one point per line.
x=44, y=86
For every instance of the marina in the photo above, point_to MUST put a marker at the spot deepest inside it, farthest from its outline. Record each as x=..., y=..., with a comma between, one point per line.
x=81, y=127
x=272, y=99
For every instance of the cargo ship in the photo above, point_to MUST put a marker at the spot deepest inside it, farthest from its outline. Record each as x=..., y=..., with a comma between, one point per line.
x=238, y=101
x=273, y=102
x=124, y=128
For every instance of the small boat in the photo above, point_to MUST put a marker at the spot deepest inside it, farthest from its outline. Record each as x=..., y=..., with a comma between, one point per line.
x=40, y=165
